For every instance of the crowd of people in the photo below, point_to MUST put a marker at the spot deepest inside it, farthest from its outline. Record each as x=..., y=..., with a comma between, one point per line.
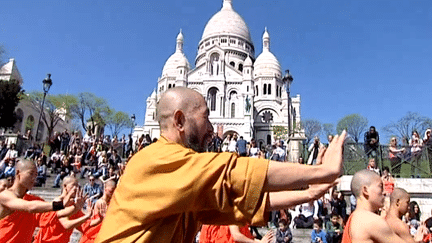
x=170, y=187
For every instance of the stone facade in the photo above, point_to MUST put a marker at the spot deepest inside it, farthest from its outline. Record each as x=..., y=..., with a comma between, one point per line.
x=245, y=95
x=27, y=117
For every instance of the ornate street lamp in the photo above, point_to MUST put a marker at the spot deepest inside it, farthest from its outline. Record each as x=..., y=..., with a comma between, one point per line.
x=47, y=82
x=133, y=122
x=288, y=79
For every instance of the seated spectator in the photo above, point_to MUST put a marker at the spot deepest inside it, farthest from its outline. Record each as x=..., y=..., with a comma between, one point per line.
x=114, y=159
x=65, y=170
x=92, y=189
x=318, y=235
x=373, y=166
x=54, y=161
x=308, y=212
x=29, y=153
x=283, y=233
x=9, y=169
x=112, y=175
x=102, y=168
x=41, y=173
x=334, y=229
x=77, y=161
x=12, y=153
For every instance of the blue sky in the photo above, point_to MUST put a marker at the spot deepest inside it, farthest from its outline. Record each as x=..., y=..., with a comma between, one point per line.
x=368, y=57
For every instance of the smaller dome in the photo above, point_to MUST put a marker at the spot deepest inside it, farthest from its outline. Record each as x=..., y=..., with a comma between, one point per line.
x=178, y=59
x=248, y=62
x=266, y=63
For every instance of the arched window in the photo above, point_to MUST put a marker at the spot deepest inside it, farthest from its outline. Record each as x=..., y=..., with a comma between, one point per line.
x=29, y=123
x=265, y=89
x=169, y=86
x=240, y=68
x=212, y=98
x=173, y=85
x=232, y=64
x=269, y=89
x=256, y=87
x=232, y=110
x=268, y=139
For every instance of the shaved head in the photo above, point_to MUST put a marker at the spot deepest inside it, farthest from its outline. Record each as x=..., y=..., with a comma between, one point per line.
x=110, y=184
x=177, y=98
x=68, y=180
x=183, y=117
x=398, y=194
x=24, y=165
x=362, y=178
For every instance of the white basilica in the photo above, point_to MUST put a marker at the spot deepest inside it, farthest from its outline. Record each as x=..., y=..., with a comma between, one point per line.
x=245, y=95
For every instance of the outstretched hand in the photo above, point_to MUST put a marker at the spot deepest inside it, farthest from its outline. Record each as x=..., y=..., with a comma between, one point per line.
x=80, y=199
x=332, y=157
x=268, y=237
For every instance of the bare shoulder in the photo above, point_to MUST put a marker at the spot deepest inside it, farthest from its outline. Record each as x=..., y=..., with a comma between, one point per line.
x=366, y=225
x=399, y=227
x=4, y=197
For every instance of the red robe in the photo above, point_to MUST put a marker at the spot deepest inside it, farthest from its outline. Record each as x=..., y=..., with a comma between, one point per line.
x=220, y=234
x=51, y=230
x=19, y=226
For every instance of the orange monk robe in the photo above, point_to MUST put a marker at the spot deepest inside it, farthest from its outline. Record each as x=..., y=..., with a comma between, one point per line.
x=51, y=230
x=90, y=232
x=346, y=237
x=220, y=234
x=167, y=191
x=19, y=226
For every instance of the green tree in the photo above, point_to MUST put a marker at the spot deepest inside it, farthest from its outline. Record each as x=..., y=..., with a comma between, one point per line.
x=56, y=108
x=117, y=121
x=354, y=124
x=11, y=93
x=280, y=132
x=328, y=129
x=89, y=107
x=312, y=128
x=404, y=127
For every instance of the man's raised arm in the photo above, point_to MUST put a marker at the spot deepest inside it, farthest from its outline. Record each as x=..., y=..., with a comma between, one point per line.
x=288, y=176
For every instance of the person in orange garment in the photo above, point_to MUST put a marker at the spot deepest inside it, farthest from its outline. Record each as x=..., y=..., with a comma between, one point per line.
x=364, y=224
x=19, y=225
x=171, y=187
x=230, y=234
x=12, y=199
x=59, y=229
x=91, y=227
x=399, y=206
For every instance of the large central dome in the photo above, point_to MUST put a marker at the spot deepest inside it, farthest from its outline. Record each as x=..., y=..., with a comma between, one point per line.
x=227, y=22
